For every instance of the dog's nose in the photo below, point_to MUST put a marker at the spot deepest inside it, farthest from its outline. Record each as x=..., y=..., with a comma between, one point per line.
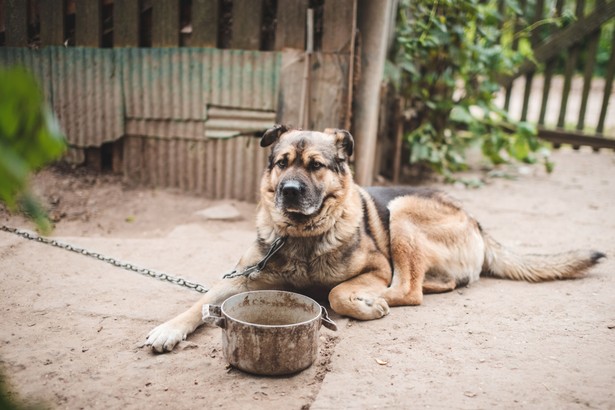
x=291, y=189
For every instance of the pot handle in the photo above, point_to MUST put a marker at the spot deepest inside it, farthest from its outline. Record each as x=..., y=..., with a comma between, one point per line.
x=212, y=314
x=326, y=321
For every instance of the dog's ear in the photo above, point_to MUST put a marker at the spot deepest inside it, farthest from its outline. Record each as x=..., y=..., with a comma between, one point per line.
x=272, y=134
x=343, y=141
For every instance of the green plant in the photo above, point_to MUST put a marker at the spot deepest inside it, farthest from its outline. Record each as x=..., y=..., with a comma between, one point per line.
x=447, y=59
x=29, y=139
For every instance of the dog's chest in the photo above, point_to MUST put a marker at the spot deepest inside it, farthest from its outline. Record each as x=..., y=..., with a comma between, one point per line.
x=305, y=264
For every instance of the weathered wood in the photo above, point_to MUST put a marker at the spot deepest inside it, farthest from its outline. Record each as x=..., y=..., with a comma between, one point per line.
x=559, y=136
x=571, y=63
x=126, y=16
x=247, y=21
x=52, y=22
x=16, y=15
x=546, y=88
x=88, y=24
x=338, y=26
x=608, y=86
x=204, y=23
x=290, y=27
x=165, y=23
x=590, y=63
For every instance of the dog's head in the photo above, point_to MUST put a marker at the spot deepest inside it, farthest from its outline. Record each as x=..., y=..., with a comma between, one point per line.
x=307, y=178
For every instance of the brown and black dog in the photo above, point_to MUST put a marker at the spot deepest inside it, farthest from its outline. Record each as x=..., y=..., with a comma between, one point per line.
x=372, y=248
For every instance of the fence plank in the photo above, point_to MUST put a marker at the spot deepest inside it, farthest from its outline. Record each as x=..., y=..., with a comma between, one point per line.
x=125, y=23
x=52, y=22
x=571, y=63
x=608, y=86
x=290, y=28
x=247, y=20
x=337, y=26
x=16, y=15
x=569, y=36
x=88, y=23
x=165, y=23
x=204, y=23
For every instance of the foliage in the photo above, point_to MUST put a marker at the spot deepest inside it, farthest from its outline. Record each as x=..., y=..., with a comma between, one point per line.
x=29, y=139
x=448, y=57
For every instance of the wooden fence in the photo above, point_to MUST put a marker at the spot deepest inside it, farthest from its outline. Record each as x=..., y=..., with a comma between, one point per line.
x=572, y=48
x=155, y=88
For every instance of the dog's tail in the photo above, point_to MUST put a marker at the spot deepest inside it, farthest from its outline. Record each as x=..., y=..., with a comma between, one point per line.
x=502, y=263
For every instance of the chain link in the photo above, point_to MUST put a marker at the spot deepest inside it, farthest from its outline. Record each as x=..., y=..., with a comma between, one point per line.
x=128, y=266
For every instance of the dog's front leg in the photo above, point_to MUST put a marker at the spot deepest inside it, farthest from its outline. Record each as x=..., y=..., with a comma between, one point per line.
x=164, y=337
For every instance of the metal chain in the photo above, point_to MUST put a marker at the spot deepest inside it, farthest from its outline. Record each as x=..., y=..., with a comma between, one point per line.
x=128, y=266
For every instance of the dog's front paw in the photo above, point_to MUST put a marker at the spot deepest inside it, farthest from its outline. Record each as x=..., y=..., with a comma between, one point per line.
x=163, y=338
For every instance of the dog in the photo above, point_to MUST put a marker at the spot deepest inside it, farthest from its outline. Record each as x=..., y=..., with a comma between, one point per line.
x=372, y=248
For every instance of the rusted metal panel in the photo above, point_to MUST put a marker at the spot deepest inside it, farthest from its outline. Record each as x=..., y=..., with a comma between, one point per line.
x=35, y=61
x=214, y=168
x=230, y=122
x=87, y=95
x=179, y=83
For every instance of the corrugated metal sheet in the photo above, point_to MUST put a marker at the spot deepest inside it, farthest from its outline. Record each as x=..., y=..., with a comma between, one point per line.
x=215, y=168
x=83, y=86
x=87, y=95
x=229, y=122
x=179, y=83
x=175, y=106
x=35, y=61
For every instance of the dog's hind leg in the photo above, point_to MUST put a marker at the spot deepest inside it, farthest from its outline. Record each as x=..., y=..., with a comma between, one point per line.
x=409, y=266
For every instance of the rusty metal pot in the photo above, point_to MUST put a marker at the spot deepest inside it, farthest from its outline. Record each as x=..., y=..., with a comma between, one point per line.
x=269, y=332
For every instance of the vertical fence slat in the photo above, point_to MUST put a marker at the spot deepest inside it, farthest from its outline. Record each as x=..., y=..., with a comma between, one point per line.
x=16, y=15
x=608, y=86
x=290, y=27
x=337, y=26
x=247, y=21
x=52, y=14
x=571, y=62
x=88, y=23
x=165, y=23
x=126, y=23
x=529, y=77
x=204, y=23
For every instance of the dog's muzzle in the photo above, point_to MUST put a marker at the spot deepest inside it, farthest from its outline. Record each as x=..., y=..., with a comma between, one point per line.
x=294, y=196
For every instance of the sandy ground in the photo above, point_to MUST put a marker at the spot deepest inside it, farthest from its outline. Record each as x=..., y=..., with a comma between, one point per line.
x=71, y=325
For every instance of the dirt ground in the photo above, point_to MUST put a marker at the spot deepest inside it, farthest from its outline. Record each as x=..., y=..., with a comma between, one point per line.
x=71, y=325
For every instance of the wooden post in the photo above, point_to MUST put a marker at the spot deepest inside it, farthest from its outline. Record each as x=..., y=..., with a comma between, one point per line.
x=165, y=23
x=126, y=15
x=16, y=15
x=52, y=23
x=374, y=19
x=247, y=20
x=88, y=32
x=204, y=23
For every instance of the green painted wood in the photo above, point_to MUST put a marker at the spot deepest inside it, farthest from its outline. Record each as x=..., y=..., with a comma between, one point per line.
x=571, y=62
x=126, y=15
x=88, y=23
x=546, y=88
x=165, y=23
x=16, y=16
x=204, y=23
x=559, y=136
x=291, y=23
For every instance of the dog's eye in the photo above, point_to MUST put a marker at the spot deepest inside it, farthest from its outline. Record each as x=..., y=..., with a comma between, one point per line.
x=282, y=163
x=315, y=165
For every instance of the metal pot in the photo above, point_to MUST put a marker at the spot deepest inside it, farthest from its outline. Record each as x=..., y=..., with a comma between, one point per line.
x=269, y=332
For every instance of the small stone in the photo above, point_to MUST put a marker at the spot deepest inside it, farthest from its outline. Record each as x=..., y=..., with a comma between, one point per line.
x=223, y=212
